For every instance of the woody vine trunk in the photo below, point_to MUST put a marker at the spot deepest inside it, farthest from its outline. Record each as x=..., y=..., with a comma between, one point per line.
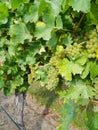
x=19, y=108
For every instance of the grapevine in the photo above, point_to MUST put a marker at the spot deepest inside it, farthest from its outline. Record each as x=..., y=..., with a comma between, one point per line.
x=53, y=79
x=73, y=51
x=92, y=45
x=45, y=41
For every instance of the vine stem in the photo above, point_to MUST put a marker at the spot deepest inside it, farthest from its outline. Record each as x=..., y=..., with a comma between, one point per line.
x=76, y=29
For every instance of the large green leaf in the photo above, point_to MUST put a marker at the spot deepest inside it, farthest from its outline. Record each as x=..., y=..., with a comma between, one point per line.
x=79, y=90
x=12, y=49
x=42, y=6
x=48, y=11
x=81, y=60
x=76, y=68
x=80, y=5
x=3, y=13
x=59, y=23
x=65, y=5
x=69, y=113
x=65, y=69
x=33, y=12
x=66, y=39
x=52, y=42
x=93, y=70
x=16, y=3
x=92, y=116
x=42, y=30
x=56, y=6
x=19, y=33
x=93, y=15
x=86, y=71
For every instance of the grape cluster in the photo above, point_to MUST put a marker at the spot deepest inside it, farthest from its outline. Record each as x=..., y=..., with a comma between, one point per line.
x=54, y=61
x=32, y=75
x=92, y=45
x=60, y=54
x=73, y=51
x=52, y=79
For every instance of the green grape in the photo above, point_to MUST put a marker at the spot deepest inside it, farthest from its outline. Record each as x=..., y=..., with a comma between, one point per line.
x=60, y=52
x=32, y=74
x=52, y=79
x=92, y=45
x=73, y=51
x=54, y=61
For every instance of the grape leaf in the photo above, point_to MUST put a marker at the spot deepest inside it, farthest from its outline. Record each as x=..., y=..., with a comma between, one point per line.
x=53, y=40
x=79, y=90
x=33, y=16
x=92, y=16
x=80, y=5
x=3, y=13
x=42, y=6
x=66, y=39
x=76, y=68
x=93, y=70
x=42, y=30
x=92, y=115
x=65, y=5
x=19, y=33
x=59, y=23
x=49, y=13
x=65, y=69
x=7, y=91
x=16, y=3
x=81, y=60
x=69, y=113
x=55, y=6
x=86, y=71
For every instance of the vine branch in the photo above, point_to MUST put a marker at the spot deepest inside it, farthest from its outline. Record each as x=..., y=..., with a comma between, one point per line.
x=76, y=29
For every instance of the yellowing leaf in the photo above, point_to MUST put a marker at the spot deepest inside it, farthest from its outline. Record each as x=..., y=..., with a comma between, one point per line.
x=86, y=71
x=65, y=69
x=76, y=68
x=81, y=60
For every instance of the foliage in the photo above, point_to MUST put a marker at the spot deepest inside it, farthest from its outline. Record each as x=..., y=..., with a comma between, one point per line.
x=55, y=43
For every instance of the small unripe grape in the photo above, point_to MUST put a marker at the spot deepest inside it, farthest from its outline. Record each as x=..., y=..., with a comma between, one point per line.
x=52, y=79
x=73, y=51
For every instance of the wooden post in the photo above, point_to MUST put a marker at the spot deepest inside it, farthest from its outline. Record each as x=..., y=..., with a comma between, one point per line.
x=19, y=107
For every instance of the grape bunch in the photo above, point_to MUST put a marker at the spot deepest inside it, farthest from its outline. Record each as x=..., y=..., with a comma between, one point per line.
x=73, y=51
x=60, y=54
x=53, y=79
x=92, y=45
x=32, y=74
x=54, y=61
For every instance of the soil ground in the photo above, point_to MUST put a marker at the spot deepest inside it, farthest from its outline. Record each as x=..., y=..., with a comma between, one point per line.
x=36, y=116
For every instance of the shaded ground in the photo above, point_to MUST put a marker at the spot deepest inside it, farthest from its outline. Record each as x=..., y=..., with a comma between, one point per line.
x=36, y=116
x=33, y=115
